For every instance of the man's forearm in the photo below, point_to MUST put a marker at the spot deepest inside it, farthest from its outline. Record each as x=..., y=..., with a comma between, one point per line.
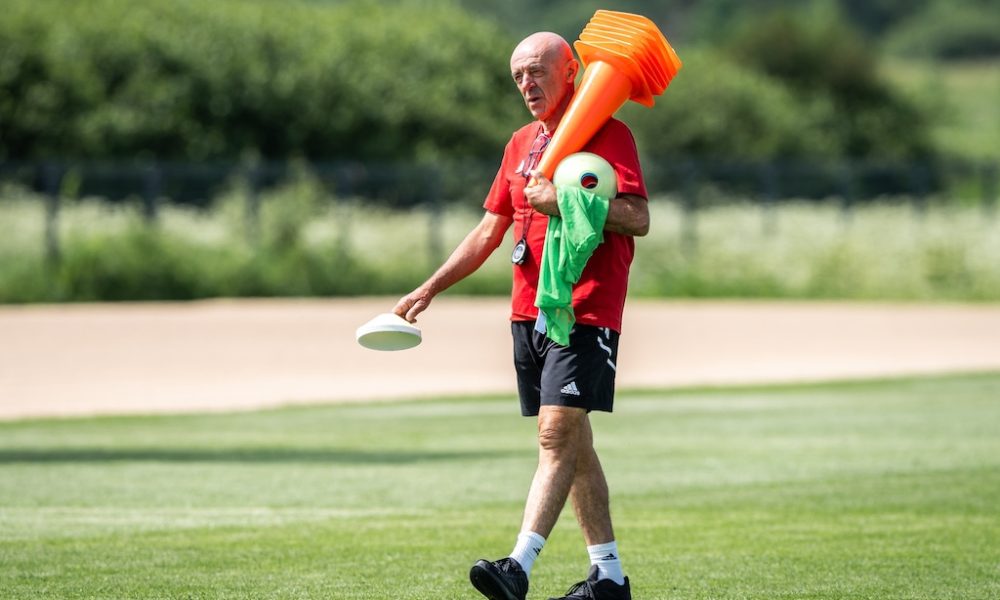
x=470, y=254
x=629, y=215
x=467, y=257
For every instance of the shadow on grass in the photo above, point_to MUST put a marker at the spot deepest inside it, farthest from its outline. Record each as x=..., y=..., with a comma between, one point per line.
x=244, y=455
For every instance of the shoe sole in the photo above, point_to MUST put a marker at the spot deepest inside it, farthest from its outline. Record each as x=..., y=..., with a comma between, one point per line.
x=488, y=584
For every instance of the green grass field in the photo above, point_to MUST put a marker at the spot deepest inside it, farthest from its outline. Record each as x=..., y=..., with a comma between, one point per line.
x=857, y=490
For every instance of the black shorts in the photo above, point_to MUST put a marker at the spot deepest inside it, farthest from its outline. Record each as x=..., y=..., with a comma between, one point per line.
x=581, y=375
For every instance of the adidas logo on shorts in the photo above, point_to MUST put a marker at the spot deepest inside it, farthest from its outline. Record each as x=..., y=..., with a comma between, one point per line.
x=570, y=389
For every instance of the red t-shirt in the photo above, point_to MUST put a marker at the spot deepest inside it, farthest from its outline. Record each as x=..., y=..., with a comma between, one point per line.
x=599, y=296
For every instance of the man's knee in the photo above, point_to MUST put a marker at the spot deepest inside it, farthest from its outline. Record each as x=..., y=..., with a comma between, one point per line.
x=560, y=428
x=556, y=438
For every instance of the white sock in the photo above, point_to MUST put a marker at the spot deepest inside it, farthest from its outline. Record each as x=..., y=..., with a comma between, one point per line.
x=609, y=566
x=529, y=545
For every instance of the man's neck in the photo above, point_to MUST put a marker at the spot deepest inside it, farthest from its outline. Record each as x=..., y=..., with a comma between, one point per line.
x=549, y=125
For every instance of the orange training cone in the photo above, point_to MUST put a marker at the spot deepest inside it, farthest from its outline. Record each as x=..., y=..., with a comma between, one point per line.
x=626, y=57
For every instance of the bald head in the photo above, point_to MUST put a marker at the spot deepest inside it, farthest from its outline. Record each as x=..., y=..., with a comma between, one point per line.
x=544, y=44
x=544, y=70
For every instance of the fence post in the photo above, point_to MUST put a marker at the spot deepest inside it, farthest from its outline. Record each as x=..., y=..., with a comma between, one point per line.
x=434, y=241
x=989, y=188
x=348, y=173
x=768, y=180
x=918, y=179
x=252, y=212
x=152, y=189
x=52, y=175
x=846, y=191
x=689, y=220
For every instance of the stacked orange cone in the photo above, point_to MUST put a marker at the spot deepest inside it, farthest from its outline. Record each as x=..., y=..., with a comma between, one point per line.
x=626, y=57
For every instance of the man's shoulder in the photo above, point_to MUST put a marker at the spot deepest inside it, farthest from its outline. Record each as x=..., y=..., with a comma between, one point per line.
x=615, y=128
x=613, y=136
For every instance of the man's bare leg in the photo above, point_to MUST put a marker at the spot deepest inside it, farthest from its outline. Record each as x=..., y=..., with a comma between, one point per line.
x=560, y=433
x=589, y=492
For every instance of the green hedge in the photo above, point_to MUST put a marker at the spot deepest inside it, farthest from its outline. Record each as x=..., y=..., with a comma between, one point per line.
x=228, y=78
x=401, y=80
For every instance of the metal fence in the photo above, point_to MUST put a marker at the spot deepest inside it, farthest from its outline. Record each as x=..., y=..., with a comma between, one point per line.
x=409, y=184
x=695, y=184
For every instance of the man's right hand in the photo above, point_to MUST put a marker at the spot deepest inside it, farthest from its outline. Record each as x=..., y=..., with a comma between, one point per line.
x=467, y=257
x=412, y=304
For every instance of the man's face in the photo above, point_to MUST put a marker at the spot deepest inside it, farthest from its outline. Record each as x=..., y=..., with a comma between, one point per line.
x=542, y=80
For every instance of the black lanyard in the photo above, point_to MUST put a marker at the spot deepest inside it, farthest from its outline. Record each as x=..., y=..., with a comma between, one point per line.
x=527, y=166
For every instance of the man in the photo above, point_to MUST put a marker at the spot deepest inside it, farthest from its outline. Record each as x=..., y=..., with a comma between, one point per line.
x=558, y=384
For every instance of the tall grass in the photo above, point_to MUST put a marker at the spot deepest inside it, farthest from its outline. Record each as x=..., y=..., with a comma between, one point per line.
x=810, y=250
x=301, y=242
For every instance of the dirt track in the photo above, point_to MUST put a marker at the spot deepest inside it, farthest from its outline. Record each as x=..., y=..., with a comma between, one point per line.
x=221, y=355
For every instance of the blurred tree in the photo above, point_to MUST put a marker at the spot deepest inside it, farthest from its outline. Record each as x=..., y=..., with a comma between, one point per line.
x=715, y=109
x=424, y=79
x=875, y=17
x=699, y=22
x=969, y=29
x=826, y=60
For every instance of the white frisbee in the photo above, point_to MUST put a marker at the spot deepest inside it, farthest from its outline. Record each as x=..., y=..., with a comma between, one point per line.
x=388, y=331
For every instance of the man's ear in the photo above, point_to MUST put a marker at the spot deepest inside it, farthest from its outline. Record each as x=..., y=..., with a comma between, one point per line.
x=571, y=69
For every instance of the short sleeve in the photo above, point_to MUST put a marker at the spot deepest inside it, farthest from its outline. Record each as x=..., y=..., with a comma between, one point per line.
x=498, y=200
x=616, y=144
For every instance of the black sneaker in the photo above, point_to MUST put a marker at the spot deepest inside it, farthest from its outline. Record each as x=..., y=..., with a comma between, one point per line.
x=592, y=589
x=499, y=580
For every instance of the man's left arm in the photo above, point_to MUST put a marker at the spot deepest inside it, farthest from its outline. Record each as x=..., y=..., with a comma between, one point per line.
x=628, y=214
